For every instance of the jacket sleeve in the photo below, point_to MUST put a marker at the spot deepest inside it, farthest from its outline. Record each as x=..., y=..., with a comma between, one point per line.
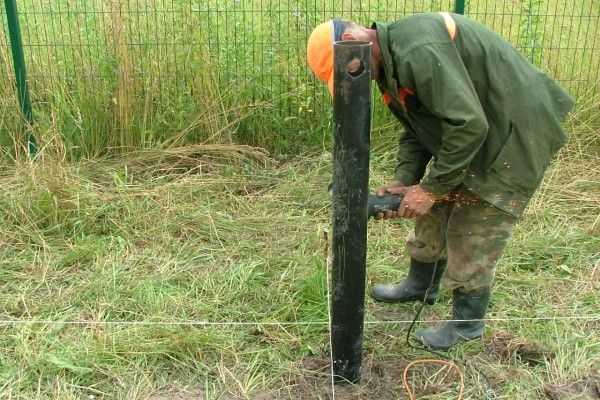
x=437, y=75
x=412, y=159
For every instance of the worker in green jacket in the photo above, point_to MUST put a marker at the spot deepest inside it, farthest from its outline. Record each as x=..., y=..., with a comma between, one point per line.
x=481, y=125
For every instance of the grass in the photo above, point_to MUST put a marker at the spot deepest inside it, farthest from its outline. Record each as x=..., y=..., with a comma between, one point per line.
x=161, y=246
x=202, y=270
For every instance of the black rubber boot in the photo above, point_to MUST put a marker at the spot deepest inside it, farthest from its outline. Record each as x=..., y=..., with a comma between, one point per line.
x=414, y=286
x=468, y=323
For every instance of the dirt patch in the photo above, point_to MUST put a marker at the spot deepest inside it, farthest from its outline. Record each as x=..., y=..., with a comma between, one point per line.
x=585, y=389
x=315, y=383
x=506, y=349
x=179, y=394
x=381, y=379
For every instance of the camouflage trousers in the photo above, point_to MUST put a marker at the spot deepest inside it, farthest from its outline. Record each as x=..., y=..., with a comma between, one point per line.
x=475, y=236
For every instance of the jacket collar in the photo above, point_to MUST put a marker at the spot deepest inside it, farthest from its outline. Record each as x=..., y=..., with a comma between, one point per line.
x=387, y=81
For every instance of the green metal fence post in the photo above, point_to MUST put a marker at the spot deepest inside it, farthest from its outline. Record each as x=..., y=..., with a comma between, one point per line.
x=459, y=6
x=16, y=45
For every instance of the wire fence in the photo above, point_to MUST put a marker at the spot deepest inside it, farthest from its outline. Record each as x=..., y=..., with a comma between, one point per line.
x=111, y=73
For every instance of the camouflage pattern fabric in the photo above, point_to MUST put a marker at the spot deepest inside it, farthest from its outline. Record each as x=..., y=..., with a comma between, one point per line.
x=475, y=236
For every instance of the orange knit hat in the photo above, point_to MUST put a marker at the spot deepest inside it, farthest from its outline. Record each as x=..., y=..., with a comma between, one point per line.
x=319, y=49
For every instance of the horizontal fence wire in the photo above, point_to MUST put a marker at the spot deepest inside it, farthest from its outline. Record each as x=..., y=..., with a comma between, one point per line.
x=133, y=72
x=287, y=323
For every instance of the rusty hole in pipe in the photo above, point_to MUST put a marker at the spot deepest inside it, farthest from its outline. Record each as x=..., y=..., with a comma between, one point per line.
x=355, y=68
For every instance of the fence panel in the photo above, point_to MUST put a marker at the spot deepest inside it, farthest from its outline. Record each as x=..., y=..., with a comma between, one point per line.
x=108, y=74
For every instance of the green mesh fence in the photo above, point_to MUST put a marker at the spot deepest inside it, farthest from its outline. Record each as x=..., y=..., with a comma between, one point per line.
x=109, y=74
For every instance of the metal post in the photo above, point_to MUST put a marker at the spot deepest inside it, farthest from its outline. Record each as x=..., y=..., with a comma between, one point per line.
x=459, y=7
x=352, y=123
x=16, y=45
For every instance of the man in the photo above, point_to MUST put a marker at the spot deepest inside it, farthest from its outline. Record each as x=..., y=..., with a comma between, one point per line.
x=481, y=125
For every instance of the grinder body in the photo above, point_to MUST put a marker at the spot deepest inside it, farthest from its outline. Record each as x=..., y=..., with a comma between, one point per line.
x=389, y=202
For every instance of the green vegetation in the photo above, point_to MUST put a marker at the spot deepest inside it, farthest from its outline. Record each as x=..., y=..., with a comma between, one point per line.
x=171, y=238
x=109, y=269
x=107, y=77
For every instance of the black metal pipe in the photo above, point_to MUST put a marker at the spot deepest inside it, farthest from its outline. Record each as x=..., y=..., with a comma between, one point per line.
x=351, y=136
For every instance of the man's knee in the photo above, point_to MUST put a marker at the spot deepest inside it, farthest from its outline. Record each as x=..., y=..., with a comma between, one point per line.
x=424, y=250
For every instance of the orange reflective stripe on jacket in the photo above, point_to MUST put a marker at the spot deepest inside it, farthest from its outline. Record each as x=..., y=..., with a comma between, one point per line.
x=405, y=92
x=450, y=24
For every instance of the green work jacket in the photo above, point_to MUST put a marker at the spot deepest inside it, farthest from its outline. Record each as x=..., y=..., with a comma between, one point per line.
x=489, y=118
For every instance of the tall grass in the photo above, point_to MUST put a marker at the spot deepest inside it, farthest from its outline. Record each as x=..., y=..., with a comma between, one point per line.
x=109, y=77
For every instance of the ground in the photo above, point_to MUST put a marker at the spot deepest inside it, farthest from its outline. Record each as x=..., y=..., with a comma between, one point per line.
x=381, y=378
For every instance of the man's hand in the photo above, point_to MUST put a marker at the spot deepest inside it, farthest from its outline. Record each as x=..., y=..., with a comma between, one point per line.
x=416, y=201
